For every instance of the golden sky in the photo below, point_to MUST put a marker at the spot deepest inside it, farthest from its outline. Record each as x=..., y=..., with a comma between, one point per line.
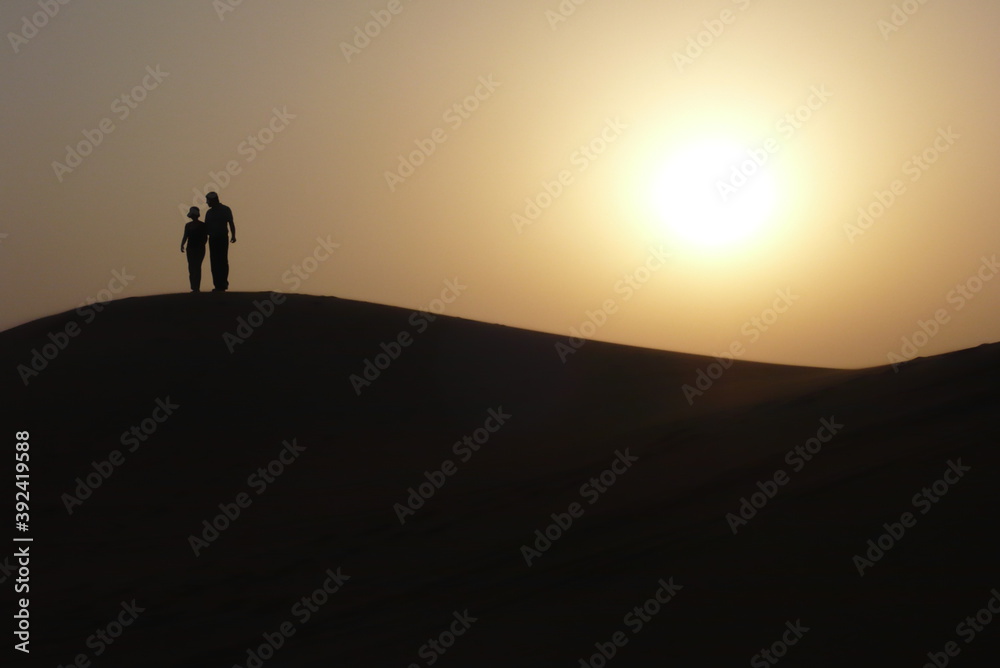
x=548, y=157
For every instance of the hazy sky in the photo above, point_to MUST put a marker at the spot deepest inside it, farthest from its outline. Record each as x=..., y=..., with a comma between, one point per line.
x=602, y=114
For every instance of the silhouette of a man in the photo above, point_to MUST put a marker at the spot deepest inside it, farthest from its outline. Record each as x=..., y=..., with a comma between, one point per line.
x=219, y=221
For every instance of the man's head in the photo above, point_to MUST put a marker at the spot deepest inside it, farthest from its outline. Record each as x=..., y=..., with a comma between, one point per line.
x=212, y=198
x=193, y=213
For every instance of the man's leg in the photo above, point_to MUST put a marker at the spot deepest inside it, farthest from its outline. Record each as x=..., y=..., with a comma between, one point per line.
x=224, y=252
x=213, y=261
x=217, y=248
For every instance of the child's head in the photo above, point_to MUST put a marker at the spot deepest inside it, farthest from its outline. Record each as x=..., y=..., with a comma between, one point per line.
x=193, y=213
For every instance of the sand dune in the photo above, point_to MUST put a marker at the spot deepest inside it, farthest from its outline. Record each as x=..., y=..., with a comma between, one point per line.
x=639, y=490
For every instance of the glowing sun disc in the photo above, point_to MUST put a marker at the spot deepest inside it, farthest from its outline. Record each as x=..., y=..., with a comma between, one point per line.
x=715, y=192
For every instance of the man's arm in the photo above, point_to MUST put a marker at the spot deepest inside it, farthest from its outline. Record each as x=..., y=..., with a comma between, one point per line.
x=184, y=238
x=232, y=226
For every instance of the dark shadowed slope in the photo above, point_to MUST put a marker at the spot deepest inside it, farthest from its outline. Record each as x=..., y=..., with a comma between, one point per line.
x=545, y=428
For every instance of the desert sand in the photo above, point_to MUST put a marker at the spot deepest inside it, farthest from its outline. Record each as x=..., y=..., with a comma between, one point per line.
x=747, y=512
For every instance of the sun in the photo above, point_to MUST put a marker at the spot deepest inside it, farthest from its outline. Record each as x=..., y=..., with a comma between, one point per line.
x=715, y=192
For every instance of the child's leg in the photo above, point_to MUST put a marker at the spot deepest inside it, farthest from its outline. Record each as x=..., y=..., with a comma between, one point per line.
x=194, y=268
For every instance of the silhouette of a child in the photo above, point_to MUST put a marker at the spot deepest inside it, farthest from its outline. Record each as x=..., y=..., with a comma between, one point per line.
x=196, y=236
